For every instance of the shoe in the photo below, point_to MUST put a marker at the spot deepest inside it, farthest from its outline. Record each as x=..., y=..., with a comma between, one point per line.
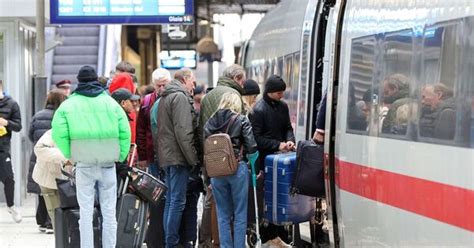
x=49, y=229
x=15, y=214
x=42, y=228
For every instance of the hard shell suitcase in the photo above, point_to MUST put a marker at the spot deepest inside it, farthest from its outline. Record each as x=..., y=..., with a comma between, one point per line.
x=66, y=228
x=282, y=207
x=309, y=176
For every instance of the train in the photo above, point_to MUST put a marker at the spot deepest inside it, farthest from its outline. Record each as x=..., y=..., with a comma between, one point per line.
x=399, y=123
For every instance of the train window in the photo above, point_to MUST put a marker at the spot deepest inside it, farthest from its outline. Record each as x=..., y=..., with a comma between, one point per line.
x=396, y=107
x=441, y=109
x=287, y=70
x=362, y=96
x=267, y=70
x=280, y=66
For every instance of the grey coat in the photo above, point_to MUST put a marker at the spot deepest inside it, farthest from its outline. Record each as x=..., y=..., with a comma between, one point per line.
x=177, y=124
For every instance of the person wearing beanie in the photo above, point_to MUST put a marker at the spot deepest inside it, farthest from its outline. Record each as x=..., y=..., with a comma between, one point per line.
x=91, y=130
x=273, y=132
x=251, y=92
x=198, y=94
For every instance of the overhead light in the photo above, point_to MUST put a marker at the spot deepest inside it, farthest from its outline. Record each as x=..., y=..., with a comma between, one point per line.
x=203, y=22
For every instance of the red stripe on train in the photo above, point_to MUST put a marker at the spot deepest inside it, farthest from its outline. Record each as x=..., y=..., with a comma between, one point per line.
x=442, y=202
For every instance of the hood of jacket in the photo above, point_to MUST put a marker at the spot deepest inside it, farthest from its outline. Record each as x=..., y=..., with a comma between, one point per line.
x=219, y=121
x=225, y=81
x=4, y=101
x=175, y=86
x=90, y=89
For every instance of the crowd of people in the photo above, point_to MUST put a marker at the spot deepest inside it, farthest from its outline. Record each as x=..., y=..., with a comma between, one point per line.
x=92, y=127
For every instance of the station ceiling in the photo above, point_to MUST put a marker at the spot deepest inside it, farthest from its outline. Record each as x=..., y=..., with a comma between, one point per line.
x=233, y=6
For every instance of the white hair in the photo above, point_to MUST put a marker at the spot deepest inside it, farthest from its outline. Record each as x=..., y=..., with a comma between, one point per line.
x=160, y=74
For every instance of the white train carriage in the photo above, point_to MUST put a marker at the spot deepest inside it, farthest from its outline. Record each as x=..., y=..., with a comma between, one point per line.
x=399, y=170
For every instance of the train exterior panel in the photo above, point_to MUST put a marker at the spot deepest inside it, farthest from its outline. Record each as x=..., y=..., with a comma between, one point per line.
x=404, y=188
x=399, y=175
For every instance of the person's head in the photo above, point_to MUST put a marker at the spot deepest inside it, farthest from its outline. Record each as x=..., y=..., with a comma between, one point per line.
x=125, y=66
x=122, y=80
x=125, y=98
x=236, y=73
x=103, y=80
x=433, y=95
x=198, y=93
x=64, y=86
x=160, y=77
x=55, y=98
x=145, y=90
x=186, y=77
x=251, y=91
x=392, y=85
x=87, y=74
x=231, y=100
x=275, y=87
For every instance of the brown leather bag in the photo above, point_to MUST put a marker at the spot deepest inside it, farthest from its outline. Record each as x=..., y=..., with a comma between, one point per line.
x=219, y=157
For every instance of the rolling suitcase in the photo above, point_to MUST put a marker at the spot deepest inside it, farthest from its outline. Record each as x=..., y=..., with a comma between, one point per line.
x=66, y=228
x=131, y=215
x=282, y=207
x=309, y=176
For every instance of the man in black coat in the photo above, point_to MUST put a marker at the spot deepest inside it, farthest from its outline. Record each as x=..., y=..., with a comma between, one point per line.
x=273, y=132
x=270, y=120
x=10, y=121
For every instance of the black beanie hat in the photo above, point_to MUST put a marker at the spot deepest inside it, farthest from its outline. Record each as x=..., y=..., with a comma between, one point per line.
x=86, y=74
x=251, y=88
x=274, y=84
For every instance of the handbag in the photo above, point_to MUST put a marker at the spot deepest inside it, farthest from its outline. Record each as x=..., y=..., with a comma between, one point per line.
x=67, y=190
x=147, y=186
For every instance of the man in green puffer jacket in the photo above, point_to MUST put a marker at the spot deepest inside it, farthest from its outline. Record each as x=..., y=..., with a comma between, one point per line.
x=91, y=128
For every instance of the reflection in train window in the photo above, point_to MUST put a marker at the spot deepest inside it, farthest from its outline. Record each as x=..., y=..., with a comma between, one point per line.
x=361, y=93
x=280, y=66
x=439, y=100
x=396, y=108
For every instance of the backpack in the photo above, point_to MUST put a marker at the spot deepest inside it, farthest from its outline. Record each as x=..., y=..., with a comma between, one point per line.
x=219, y=157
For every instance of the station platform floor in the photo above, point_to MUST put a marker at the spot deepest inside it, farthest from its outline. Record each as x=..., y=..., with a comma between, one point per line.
x=24, y=234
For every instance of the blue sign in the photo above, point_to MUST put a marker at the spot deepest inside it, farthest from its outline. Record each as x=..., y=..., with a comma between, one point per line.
x=122, y=11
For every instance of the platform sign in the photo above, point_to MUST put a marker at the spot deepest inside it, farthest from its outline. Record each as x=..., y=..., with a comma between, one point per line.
x=121, y=11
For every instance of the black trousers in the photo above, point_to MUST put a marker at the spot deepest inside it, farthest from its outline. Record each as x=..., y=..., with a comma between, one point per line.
x=6, y=177
x=42, y=217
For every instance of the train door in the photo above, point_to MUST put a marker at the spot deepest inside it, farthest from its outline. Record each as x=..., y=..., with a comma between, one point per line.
x=331, y=79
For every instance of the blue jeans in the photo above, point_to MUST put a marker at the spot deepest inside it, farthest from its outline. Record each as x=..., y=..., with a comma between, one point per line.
x=87, y=177
x=176, y=179
x=231, y=194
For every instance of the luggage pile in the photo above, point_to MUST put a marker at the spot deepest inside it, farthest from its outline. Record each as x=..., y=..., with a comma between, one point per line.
x=135, y=193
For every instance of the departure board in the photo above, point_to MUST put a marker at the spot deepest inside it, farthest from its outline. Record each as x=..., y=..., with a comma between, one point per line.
x=121, y=11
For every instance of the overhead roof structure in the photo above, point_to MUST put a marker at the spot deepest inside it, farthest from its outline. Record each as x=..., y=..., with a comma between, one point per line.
x=233, y=6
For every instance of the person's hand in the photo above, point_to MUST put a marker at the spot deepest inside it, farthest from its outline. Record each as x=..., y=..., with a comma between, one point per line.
x=3, y=122
x=283, y=147
x=209, y=187
x=318, y=136
x=290, y=145
x=142, y=165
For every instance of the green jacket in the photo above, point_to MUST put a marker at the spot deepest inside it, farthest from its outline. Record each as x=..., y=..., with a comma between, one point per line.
x=211, y=101
x=91, y=130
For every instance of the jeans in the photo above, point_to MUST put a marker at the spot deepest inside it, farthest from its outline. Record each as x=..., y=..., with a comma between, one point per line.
x=176, y=179
x=87, y=177
x=6, y=177
x=231, y=194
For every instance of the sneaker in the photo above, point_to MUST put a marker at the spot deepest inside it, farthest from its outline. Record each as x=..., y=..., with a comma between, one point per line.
x=42, y=228
x=49, y=229
x=15, y=214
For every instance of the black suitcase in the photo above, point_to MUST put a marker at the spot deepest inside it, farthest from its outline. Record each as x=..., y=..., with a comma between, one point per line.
x=131, y=221
x=66, y=228
x=131, y=214
x=309, y=176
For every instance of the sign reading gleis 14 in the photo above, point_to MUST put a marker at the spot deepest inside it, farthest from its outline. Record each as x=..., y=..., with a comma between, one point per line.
x=121, y=11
